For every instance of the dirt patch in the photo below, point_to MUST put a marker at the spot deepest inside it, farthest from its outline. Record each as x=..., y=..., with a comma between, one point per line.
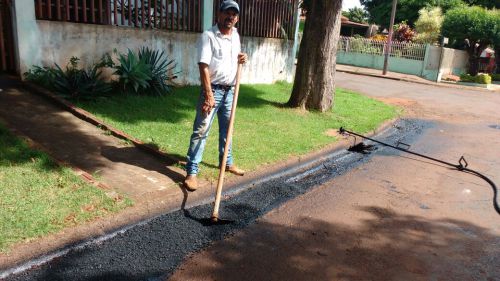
x=398, y=101
x=334, y=133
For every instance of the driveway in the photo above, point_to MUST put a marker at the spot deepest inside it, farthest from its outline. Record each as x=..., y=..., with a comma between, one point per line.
x=395, y=217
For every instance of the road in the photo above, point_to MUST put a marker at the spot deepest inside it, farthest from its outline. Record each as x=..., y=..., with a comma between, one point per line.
x=395, y=217
x=380, y=216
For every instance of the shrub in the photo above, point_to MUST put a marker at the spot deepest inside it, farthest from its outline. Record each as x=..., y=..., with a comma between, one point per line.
x=43, y=76
x=428, y=25
x=72, y=82
x=161, y=70
x=379, y=37
x=403, y=32
x=476, y=25
x=495, y=77
x=80, y=84
x=134, y=74
x=359, y=44
x=483, y=79
x=467, y=78
x=480, y=78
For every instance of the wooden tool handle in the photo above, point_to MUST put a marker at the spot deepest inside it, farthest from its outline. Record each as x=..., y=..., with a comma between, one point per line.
x=220, y=182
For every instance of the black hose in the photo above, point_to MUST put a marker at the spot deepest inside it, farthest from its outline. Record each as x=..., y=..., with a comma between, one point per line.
x=495, y=190
x=461, y=166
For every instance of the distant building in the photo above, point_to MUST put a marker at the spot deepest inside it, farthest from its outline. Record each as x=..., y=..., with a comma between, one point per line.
x=350, y=28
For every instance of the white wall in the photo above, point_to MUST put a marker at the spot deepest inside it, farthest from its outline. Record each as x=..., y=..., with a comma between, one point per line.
x=48, y=42
x=454, y=61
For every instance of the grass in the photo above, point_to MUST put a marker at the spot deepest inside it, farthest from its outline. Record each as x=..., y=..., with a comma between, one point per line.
x=38, y=197
x=265, y=132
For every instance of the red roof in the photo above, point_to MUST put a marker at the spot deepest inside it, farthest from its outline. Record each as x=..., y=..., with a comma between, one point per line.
x=346, y=22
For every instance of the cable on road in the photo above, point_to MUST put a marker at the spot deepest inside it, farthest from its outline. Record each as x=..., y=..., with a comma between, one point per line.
x=461, y=166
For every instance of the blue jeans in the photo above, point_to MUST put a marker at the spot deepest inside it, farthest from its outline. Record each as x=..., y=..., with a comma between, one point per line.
x=202, y=125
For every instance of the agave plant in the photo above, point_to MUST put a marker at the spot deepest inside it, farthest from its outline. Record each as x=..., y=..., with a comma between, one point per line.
x=79, y=84
x=162, y=70
x=134, y=73
x=43, y=76
x=72, y=83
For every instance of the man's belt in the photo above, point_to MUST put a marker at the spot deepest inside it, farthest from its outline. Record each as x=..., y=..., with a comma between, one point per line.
x=221, y=87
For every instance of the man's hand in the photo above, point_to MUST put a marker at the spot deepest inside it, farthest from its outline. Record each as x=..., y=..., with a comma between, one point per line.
x=242, y=58
x=209, y=103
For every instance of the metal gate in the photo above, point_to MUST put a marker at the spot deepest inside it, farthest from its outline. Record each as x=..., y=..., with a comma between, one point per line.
x=7, y=61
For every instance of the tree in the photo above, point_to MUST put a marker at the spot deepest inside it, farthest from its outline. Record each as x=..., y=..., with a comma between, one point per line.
x=496, y=39
x=356, y=14
x=428, y=25
x=474, y=29
x=484, y=3
x=314, y=83
x=407, y=10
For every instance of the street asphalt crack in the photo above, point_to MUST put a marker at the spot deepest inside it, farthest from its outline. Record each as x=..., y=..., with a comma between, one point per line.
x=153, y=250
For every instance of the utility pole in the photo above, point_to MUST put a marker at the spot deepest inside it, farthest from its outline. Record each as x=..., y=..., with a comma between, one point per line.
x=389, y=39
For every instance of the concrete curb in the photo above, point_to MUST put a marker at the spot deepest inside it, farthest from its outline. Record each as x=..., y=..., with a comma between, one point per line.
x=430, y=83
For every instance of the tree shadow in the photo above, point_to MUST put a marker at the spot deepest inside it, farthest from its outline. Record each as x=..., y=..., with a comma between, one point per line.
x=131, y=156
x=172, y=108
x=385, y=246
x=15, y=151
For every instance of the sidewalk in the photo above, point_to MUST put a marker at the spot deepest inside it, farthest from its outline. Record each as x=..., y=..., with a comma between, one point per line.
x=378, y=73
x=402, y=77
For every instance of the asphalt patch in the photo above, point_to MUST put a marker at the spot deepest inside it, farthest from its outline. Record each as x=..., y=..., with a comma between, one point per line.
x=494, y=126
x=362, y=148
x=152, y=251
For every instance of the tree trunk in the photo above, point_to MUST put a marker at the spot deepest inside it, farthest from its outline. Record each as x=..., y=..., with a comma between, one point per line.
x=474, y=55
x=314, y=84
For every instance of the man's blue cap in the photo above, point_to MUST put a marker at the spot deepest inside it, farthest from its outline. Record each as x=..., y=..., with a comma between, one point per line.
x=228, y=4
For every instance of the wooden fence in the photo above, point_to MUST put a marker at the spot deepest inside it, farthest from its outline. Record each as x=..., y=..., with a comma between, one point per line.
x=178, y=15
x=258, y=18
x=265, y=18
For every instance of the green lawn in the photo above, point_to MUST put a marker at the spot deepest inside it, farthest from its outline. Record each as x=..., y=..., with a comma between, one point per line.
x=265, y=132
x=38, y=197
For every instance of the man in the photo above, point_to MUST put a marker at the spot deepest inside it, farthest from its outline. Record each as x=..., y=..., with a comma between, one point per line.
x=219, y=53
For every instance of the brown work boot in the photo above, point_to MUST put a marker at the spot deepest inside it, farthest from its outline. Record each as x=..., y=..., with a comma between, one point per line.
x=235, y=170
x=191, y=183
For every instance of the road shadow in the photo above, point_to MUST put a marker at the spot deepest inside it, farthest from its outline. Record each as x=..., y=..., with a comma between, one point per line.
x=386, y=246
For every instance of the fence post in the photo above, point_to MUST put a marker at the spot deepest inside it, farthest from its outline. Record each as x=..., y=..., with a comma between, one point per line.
x=207, y=14
x=426, y=59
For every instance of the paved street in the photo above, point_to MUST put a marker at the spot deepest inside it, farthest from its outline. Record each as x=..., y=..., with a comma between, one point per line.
x=382, y=216
x=396, y=217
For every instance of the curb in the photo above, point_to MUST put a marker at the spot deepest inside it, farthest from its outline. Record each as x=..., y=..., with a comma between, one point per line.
x=378, y=76
x=430, y=83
